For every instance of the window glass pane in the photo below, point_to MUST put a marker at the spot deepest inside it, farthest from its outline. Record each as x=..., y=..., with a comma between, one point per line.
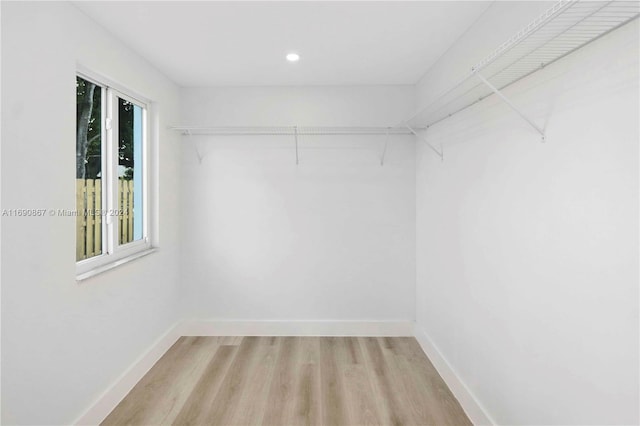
x=88, y=169
x=130, y=172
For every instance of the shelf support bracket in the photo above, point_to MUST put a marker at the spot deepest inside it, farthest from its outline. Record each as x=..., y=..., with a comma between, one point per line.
x=433, y=148
x=295, y=133
x=187, y=132
x=511, y=105
x=384, y=149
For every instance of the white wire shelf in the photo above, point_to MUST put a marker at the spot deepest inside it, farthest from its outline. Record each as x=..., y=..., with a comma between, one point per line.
x=561, y=30
x=290, y=130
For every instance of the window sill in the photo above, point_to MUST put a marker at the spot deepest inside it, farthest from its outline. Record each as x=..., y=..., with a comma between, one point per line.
x=109, y=266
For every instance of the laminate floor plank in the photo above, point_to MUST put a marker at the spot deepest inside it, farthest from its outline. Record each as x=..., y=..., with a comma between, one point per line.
x=417, y=400
x=389, y=397
x=280, y=408
x=253, y=403
x=355, y=350
x=360, y=403
x=331, y=387
x=207, y=387
x=275, y=381
x=307, y=406
x=359, y=396
x=441, y=401
x=224, y=405
x=160, y=395
x=226, y=340
x=309, y=352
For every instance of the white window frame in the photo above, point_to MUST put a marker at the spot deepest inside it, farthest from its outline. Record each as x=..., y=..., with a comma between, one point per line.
x=114, y=254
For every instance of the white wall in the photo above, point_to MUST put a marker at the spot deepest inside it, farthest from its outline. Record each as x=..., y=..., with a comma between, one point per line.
x=63, y=343
x=527, y=253
x=330, y=239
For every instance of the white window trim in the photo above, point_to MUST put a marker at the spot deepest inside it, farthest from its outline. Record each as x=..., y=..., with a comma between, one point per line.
x=109, y=266
x=114, y=254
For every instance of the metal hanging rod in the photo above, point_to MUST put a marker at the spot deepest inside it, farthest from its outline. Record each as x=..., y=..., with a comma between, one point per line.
x=564, y=28
x=290, y=130
x=295, y=131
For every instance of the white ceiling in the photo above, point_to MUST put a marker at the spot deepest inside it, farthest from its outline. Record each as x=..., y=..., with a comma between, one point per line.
x=245, y=43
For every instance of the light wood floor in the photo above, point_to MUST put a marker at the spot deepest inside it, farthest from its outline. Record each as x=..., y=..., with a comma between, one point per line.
x=291, y=381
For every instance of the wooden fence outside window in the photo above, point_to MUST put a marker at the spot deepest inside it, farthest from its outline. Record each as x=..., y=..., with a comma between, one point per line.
x=90, y=216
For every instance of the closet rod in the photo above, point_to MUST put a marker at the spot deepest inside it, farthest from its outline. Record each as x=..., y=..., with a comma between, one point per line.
x=290, y=130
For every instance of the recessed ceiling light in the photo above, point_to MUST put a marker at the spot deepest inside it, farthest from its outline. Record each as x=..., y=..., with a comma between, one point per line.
x=293, y=57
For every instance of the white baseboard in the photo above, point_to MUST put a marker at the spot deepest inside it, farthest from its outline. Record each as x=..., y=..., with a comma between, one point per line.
x=111, y=397
x=296, y=328
x=476, y=412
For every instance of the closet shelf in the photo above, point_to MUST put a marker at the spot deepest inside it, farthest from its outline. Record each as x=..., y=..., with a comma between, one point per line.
x=565, y=27
x=295, y=131
x=291, y=130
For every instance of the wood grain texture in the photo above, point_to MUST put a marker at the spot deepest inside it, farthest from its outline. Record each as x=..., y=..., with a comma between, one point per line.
x=275, y=381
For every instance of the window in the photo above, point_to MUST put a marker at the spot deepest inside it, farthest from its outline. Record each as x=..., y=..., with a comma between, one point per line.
x=111, y=175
